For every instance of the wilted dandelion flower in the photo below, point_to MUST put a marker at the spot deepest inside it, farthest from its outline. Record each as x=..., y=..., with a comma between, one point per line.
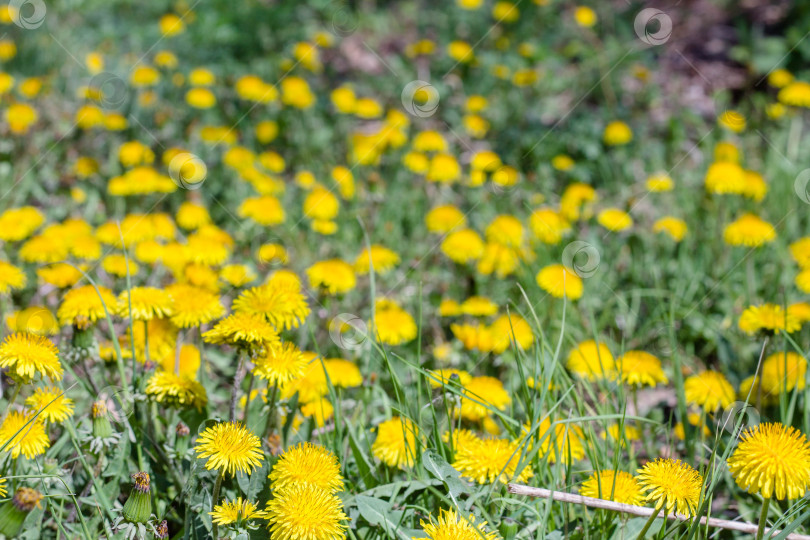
x=236, y=511
x=750, y=231
x=86, y=302
x=559, y=282
x=676, y=228
x=481, y=395
x=51, y=404
x=22, y=433
x=618, y=486
x=772, y=460
x=672, y=485
x=770, y=318
x=591, y=361
x=306, y=512
x=709, y=390
x=333, y=276
x=452, y=526
x=26, y=355
x=640, y=368
x=229, y=447
x=488, y=460
x=307, y=463
x=14, y=512
x=396, y=444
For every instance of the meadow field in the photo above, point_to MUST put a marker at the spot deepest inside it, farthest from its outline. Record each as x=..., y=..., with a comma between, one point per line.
x=364, y=269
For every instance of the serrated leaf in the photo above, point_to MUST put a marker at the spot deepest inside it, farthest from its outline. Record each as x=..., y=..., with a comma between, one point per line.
x=377, y=512
x=437, y=466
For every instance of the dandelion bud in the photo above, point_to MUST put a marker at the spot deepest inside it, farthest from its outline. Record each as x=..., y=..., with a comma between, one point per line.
x=102, y=428
x=181, y=438
x=508, y=528
x=138, y=507
x=14, y=512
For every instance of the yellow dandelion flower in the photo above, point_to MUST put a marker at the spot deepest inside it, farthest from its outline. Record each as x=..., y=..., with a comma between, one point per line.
x=617, y=133
x=3, y=491
x=618, y=486
x=614, y=219
x=585, y=16
x=186, y=363
x=672, y=485
x=482, y=395
x=674, y=227
x=280, y=365
x=306, y=512
x=772, y=460
x=562, y=442
x=396, y=444
x=236, y=511
x=25, y=355
x=304, y=464
x=86, y=302
x=658, y=183
x=229, y=447
x=244, y=330
x=548, y=225
x=443, y=219
x=640, y=368
x=19, y=223
x=709, y=390
x=795, y=94
x=577, y=200
x=11, y=277
x=592, y=361
x=749, y=231
x=770, y=318
x=508, y=328
x=394, y=325
x=21, y=433
x=279, y=300
x=486, y=461
x=382, y=258
x=800, y=251
x=474, y=336
x=559, y=282
x=725, y=177
x=147, y=303
x=479, y=306
x=443, y=377
x=463, y=246
x=33, y=320
x=51, y=404
x=452, y=526
x=782, y=372
x=193, y=306
x=180, y=390
x=334, y=276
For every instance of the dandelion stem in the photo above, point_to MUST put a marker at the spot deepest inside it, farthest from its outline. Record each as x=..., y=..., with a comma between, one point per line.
x=647, y=526
x=215, y=498
x=763, y=518
x=237, y=382
x=271, y=415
